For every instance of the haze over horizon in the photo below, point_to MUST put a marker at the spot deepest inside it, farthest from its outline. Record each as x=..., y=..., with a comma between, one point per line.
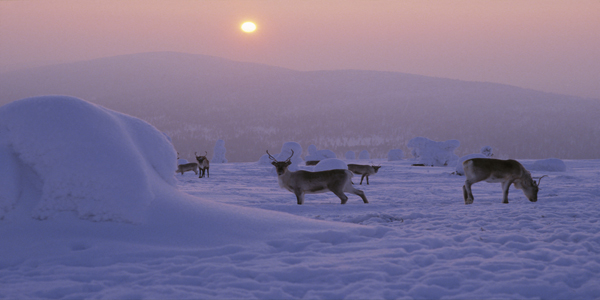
x=550, y=46
x=198, y=99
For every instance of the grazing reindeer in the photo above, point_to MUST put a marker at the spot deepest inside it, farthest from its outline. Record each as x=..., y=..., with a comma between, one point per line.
x=203, y=164
x=187, y=167
x=506, y=172
x=303, y=182
x=364, y=170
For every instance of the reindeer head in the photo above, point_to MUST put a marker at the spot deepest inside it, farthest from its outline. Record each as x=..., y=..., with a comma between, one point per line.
x=529, y=187
x=200, y=159
x=376, y=168
x=281, y=166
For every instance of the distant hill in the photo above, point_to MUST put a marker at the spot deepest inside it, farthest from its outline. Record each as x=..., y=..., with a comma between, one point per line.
x=199, y=99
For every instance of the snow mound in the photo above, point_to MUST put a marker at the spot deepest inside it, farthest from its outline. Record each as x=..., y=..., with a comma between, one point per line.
x=219, y=153
x=84, y=158
x=364, y=155
x=317, y=155
x=330, y=164
x=432, y=153
x=550, y=165
x=350, y=155
x=395, y=155
x=182, y=161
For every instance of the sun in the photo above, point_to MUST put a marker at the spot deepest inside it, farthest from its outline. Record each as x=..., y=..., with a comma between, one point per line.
x=248, y=27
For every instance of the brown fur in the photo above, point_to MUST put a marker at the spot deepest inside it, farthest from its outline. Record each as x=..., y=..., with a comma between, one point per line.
x=304, y=182
x=364, y=170
x=506, y=172
x=203, y=164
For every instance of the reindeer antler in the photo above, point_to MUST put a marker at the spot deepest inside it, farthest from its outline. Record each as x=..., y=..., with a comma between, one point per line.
x=271, y=156
x=290, y=155
x=540, y=179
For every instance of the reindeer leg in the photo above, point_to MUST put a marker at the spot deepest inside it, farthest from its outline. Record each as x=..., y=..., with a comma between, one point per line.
x=351, y=189
x=299, y=196
x=341, y=195
x=207, y=173
x=363, y=177
x=367, y=179
x=469, y=194
x=505, y=187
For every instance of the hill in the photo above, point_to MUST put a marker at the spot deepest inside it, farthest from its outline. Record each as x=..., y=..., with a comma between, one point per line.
x=198, y=99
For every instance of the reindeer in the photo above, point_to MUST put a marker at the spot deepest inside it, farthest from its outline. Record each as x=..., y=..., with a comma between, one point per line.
x=506, y=172
x=303, y=182
x=203, y=164
x=187, y=167
x=364, y=170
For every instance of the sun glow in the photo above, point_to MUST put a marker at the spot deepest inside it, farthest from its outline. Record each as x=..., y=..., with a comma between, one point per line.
x=248, y=27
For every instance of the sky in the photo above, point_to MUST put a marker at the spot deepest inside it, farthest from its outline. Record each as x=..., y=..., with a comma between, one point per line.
x=547, y=45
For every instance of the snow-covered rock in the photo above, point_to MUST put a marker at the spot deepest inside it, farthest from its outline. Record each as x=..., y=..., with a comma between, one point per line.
x=364, y=155
x=350, y=154
x=330, y=164
x=395, y=154
x=550, y=165
x=318, y=155
x=432, y=153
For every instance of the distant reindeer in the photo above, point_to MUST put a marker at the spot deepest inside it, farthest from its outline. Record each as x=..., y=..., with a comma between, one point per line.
x=506, y=172
x=203, y=164
x=187, y=167
x=364, y=170
x=304, y=182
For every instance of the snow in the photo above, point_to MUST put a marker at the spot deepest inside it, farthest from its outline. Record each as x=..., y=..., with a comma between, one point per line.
x=487, y=151
x=549, y=165
x=238, y=235
x=219, y=153
x=317, y=155
x=120, y=156
x=363, y=154
x=330, y=164
x=350, y=154
x=432, y=153
x=395, y=154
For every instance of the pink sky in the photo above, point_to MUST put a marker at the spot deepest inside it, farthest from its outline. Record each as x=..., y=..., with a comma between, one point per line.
x=549, y=45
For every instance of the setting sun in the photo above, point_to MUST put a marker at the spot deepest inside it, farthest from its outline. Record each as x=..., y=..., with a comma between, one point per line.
x=248, y=27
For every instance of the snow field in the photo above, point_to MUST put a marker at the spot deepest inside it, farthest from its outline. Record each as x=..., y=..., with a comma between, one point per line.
x=128, y=227
x=433, y=245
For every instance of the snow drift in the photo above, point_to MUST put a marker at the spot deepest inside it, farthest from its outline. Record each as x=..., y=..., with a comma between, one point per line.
x=549, y=164
x=432, y=153
x=68, y=161
x=317, y=155
x=84, y=158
